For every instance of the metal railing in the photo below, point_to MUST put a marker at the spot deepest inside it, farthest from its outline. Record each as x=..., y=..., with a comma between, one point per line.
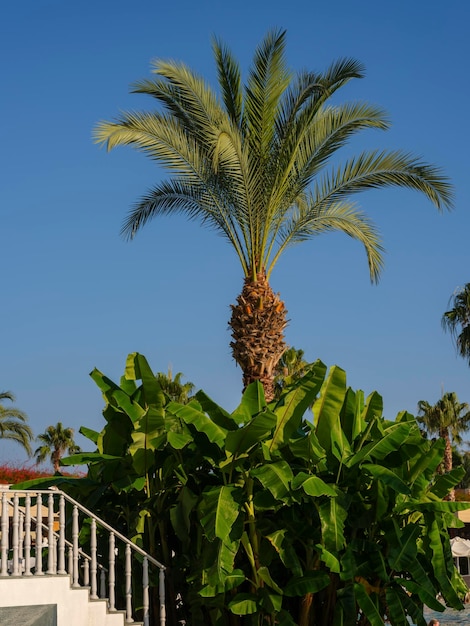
x=41, y=534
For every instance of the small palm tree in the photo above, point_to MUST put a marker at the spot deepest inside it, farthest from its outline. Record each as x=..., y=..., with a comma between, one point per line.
x=457, y=321
x=291, y=367
x=54, y=443
x=13, y=424
x=448, y=419
x=251, y=162
x=174, y=388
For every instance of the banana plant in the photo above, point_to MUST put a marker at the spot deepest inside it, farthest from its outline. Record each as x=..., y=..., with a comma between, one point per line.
x=311, y=510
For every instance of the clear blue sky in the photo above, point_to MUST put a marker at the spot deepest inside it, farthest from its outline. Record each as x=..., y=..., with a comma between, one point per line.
x=76, y=296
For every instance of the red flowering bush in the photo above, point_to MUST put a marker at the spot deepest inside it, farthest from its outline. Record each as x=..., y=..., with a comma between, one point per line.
x=11, y=474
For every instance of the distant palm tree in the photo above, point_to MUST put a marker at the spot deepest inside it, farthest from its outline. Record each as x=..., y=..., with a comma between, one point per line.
x=174, y=388
x=251, y=162
x=290, y=368
x=55, y=442
x=448, y=419
x=13, y=424
x=457, y=321
x=462, y=459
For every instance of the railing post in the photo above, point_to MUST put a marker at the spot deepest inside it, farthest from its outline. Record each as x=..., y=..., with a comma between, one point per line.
x=61, y=552
x=161, y=596
x=75, y=531
x=50, y=535
x=145, y=591
x=38, y=546
x=27, y=535
x=128, y=575
x=102, y=583
x=4, y=549
x=86, y=573
x=94, y=567
x=111, y=574
x=70, y=561
x=15, y=534
x=21, y=545
x=55, y=543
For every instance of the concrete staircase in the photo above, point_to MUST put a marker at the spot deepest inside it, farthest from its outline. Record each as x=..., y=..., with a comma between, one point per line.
x=51, y=601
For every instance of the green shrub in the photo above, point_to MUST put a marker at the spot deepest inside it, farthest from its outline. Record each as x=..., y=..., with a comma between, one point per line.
x=271, y=514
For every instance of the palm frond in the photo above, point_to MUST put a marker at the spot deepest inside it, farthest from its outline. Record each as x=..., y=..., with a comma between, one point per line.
x=18, y=431
x=386, y=169
x=229, y=75
x=7, y=395
x=197, y=202
x=308, y=220
x=268, y=79
x=314, y=142
x=309, y=91
x=167, y=94
x=187, y=95
x=159, y=137
x=339, y=73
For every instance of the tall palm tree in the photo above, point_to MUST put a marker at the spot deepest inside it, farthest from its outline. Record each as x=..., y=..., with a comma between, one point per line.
x=55, y=442
x=175, y=389
x=13, y=424
x=448, y=419
x=457, y=321
x=251, y=161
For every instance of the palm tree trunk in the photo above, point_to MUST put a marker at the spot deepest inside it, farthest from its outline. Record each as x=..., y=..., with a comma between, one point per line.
x=56, y=460
x=258, y=322
x=448, y=461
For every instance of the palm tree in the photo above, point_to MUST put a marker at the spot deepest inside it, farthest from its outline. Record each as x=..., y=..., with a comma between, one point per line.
x=54, y=443
x=174, y=388
x=457, y=321
x=290, y=368
x=13, y=424
x=448, y=419
x=251, y=163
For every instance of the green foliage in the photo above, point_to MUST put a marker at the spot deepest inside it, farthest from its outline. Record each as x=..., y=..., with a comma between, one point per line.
x=268, y=516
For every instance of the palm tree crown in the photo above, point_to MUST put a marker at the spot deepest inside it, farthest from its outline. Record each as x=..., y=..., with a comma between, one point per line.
x=457, y=321
x=448, y=419
x=55, y=441
x=174, y=388
x=13, y=424
x=291, y=367
x=251, y=163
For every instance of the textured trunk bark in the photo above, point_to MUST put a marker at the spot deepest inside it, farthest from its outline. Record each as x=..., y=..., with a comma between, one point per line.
x=448, y=461
x=258, y=322
x=56, y=460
